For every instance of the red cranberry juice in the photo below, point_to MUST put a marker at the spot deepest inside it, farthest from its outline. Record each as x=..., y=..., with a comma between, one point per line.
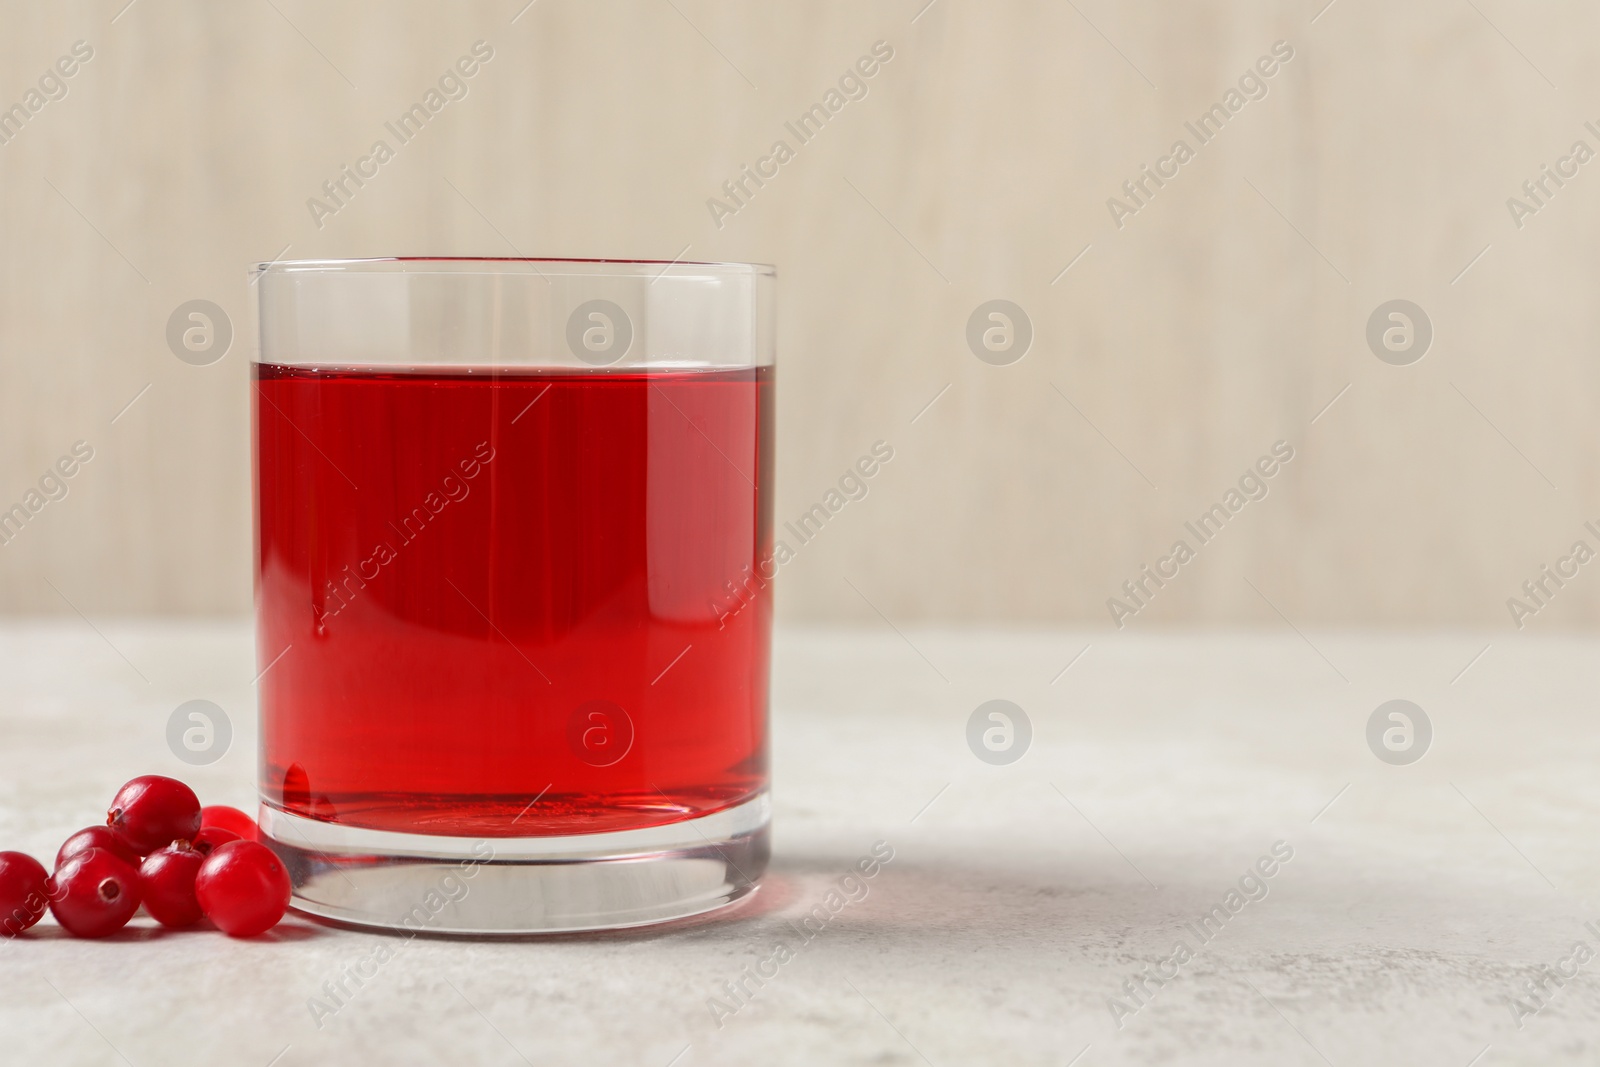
x=512, y=603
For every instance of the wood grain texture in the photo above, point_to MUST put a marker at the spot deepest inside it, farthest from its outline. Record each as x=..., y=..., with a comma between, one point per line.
x=1220, y=318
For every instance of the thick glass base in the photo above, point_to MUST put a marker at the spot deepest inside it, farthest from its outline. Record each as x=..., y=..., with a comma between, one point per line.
x=503, y=886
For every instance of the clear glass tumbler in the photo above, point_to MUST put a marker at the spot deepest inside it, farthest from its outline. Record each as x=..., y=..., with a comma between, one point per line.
x=513, y=588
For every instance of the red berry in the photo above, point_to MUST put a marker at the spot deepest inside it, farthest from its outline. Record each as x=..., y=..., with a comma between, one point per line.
x=296, y=791
x=167, y=879
x=23, y=892
x=243, y=888
x=228, y=818
x=152, y=811
x=97, y=837
x=210, y=837
x=94, y=893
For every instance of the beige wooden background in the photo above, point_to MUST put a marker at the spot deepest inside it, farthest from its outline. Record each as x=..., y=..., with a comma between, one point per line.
x=1177, y=349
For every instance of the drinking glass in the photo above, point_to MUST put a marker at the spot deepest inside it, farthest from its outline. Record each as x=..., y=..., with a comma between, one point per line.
x=513, y=588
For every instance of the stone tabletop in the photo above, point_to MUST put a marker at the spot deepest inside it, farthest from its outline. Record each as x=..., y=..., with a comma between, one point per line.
x=1206, y=852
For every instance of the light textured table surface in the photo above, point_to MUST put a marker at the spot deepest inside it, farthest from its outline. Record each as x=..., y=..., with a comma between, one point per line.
x=1417, y=902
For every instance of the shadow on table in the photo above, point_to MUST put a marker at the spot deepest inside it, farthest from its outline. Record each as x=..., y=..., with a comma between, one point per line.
x=143, y=930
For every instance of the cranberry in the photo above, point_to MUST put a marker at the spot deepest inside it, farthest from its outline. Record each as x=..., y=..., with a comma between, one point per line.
x=167, y=879
x=210, y=837
x=94, y=893
x=97, y=837
x=23, y=894
x=243, y=888
x=298, y=798
x=220, y=815
x=152, y=811
x=296, y=791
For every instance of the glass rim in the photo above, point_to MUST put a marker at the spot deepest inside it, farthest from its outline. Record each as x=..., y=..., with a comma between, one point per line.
x=500, y=264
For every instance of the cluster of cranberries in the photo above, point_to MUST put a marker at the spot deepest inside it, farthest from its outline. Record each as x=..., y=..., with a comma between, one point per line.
x=158, y=848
